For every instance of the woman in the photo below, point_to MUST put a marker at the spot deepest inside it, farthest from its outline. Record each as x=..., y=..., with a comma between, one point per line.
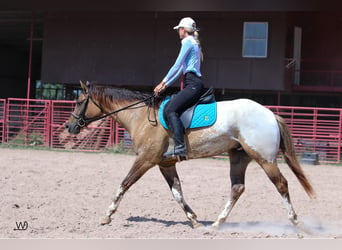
x=188, y=62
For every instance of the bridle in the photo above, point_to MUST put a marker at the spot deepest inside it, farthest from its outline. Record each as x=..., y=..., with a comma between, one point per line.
x=83, y=121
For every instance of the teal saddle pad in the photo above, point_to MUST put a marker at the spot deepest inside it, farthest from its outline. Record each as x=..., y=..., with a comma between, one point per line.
x=204, y=115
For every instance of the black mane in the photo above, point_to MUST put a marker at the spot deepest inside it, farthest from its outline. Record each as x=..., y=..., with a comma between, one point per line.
x=115, y=94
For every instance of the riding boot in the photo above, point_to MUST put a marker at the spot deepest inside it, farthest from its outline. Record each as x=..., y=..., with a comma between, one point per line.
x=177, y=129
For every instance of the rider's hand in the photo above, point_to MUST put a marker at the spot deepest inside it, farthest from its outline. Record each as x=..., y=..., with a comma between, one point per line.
x=159, y=88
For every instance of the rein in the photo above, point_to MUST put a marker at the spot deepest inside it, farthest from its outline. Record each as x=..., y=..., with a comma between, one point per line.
x=82, y=121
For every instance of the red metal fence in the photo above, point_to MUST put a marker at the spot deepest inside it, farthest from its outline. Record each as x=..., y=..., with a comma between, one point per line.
x=122, y=138
x=316, y=130
x=27, y=122
x=42, y=123
x=96, y=137
x=2, y=119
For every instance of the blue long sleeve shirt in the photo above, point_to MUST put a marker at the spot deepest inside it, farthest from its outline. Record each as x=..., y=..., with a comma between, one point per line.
x=188, y=60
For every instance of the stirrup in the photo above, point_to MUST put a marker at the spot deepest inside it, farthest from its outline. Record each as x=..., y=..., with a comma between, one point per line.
x=179, y=151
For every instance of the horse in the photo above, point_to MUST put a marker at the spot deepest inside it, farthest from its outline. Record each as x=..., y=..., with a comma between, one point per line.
x=244, y=129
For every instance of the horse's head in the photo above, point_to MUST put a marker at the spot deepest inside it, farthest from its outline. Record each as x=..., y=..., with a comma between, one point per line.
x=86, y=110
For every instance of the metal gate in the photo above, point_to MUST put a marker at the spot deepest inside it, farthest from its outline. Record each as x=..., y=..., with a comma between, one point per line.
x=27, y=122
x=315, y=130
x=97, y=136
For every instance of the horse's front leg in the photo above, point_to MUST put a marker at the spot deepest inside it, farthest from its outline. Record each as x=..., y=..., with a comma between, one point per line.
x=138, y=169
x=171, y=176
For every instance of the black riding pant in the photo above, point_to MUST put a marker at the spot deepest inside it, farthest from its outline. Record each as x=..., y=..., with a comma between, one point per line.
x=193, y=89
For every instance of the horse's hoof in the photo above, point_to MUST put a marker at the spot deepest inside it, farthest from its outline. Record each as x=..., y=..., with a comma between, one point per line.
x=303, y=228
x=197, y=225
x=215, y=225
x=105, y=220
x=294, y=221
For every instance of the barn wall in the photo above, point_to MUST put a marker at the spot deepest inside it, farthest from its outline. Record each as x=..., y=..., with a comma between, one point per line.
x=138, y=48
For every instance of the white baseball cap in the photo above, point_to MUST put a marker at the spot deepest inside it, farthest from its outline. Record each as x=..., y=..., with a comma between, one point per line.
x=187, y=23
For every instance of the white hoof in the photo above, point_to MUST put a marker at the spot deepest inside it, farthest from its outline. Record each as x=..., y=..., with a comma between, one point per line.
x=216, y=225
x=105, y=220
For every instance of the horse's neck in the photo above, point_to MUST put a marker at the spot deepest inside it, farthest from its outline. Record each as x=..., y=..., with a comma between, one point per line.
x=127, y=118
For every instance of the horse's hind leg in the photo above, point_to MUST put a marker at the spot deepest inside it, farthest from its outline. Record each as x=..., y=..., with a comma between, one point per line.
x=171, y=176
x=238, y=163
x=280, y=183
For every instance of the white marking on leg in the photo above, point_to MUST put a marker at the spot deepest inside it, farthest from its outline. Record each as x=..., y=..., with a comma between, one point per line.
x=119, y=192
x=177, y=195
x=114, y=205
x=190, y=215
x=179, y=198
x=111, y=209
x=290, y=211
x=226, y=210
x=223, y=215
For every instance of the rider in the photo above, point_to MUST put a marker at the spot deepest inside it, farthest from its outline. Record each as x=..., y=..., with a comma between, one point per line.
x=188, y=62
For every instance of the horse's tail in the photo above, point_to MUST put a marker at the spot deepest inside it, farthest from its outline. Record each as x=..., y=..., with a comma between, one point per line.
x=286, y=145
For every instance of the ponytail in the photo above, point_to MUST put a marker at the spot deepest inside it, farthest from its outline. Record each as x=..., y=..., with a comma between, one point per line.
x=196, y=35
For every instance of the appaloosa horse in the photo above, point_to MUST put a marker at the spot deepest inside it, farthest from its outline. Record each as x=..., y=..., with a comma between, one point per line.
x=245, y=129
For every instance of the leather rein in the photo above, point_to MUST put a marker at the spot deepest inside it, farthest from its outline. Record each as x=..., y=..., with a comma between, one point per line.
x=82, y=121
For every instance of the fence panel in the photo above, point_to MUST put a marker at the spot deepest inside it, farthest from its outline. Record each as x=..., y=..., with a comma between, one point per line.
x=314, y=130
x=122, y=138
x=31, y=122
x=97, y=136
x=27, y=122
x=2, y=119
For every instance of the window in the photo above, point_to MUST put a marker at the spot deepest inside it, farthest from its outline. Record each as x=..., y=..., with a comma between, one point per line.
x=49, y=91
x=255, y=36
x=57, y=91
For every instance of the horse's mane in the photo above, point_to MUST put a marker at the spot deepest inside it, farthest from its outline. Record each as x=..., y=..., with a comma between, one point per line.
x=110, y=94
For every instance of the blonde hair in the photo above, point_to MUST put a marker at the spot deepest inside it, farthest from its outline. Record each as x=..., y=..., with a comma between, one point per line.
x=195, y=34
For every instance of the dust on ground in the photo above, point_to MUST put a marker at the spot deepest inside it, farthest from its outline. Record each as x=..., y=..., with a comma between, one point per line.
x=55, y=194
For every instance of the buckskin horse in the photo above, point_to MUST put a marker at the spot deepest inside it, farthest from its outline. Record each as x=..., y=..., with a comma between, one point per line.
x=245, y=129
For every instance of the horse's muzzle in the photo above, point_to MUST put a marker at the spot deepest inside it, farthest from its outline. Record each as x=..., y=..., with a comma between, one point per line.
x=73, y=128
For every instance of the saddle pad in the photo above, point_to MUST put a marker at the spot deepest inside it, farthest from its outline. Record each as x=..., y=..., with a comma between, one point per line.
x=204, y=115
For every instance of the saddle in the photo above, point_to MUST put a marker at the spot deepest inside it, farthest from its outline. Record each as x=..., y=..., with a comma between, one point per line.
x=202, y=114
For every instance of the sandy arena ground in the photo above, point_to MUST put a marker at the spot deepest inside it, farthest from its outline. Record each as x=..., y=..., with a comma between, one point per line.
x=64, y=195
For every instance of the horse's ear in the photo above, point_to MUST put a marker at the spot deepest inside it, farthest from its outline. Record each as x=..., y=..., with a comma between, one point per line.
x=90, y=86
x=84, y=87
